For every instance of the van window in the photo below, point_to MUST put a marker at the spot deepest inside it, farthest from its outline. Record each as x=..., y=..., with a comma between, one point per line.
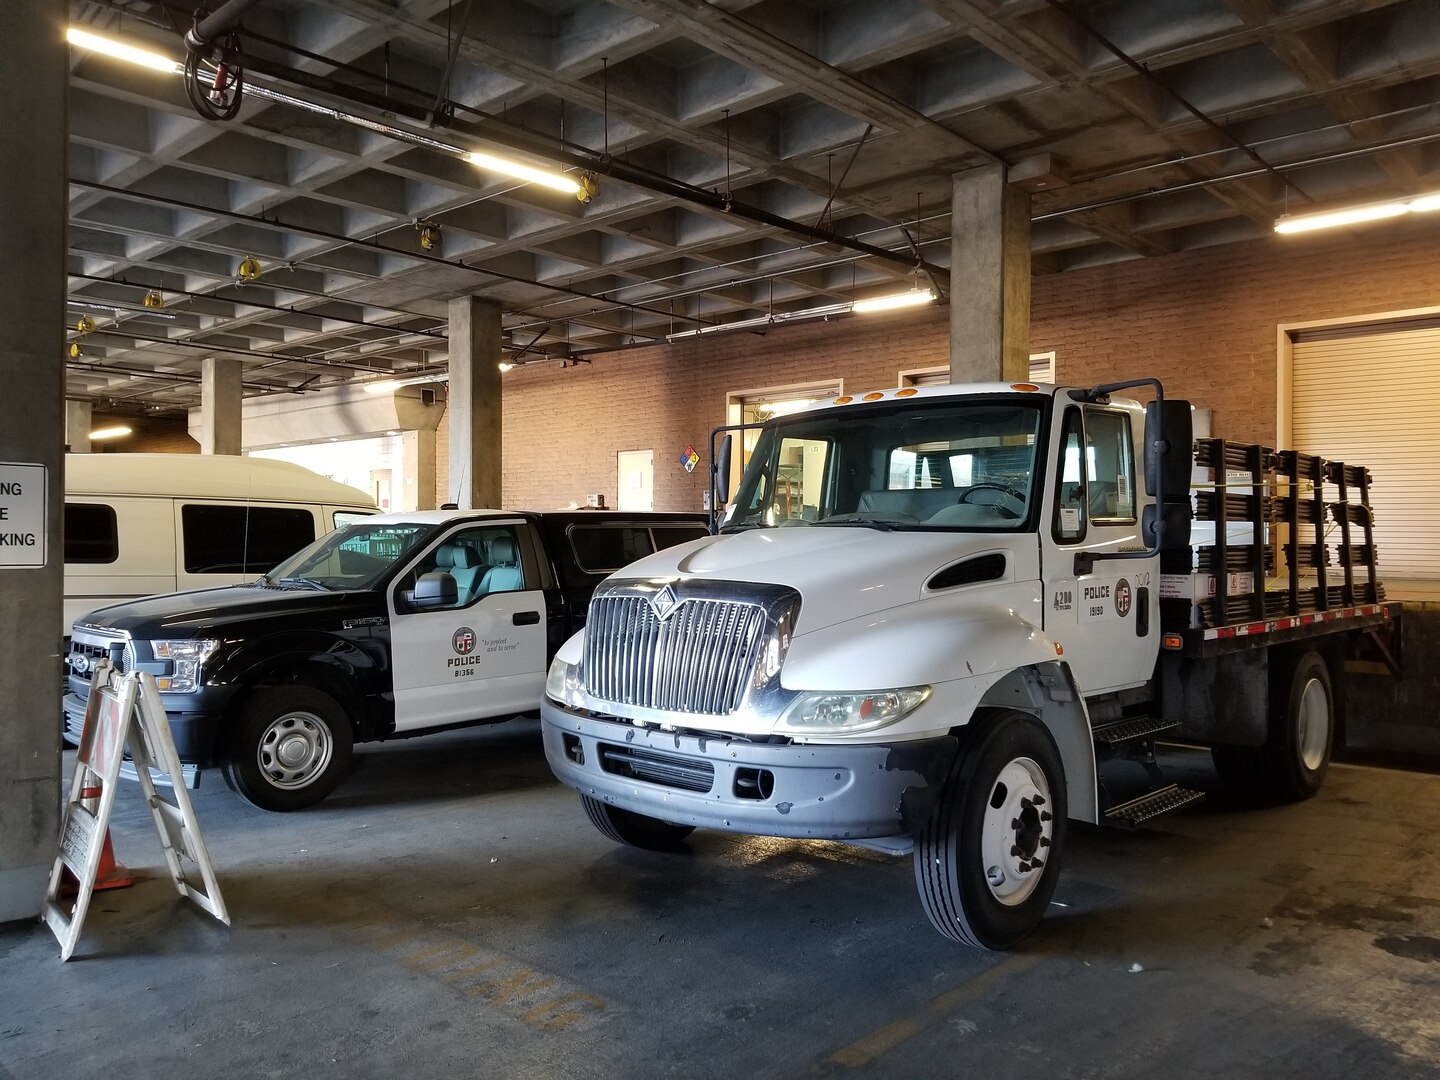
x=242, y=539
x=90, y=533
x=671, y=535
x=348, y=517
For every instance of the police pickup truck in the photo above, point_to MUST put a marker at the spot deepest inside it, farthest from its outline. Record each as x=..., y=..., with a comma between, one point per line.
x=397, y=625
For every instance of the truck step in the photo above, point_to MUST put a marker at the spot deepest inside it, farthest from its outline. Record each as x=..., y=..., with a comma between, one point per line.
x=1167, y=800
x=1115, y=732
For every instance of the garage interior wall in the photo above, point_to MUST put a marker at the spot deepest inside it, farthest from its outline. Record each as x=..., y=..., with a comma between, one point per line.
x=1205, y=321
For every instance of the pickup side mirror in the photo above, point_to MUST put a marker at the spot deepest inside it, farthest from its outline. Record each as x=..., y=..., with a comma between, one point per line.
x=433, y=590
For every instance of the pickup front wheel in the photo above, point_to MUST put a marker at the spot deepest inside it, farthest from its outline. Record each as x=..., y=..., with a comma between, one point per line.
x=988, y=857
x=289, y=749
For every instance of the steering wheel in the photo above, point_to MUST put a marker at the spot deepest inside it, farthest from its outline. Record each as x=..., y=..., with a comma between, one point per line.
x=1013, y=511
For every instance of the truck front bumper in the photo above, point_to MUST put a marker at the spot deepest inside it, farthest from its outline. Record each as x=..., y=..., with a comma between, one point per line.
x=195, y=729
x=818, y=792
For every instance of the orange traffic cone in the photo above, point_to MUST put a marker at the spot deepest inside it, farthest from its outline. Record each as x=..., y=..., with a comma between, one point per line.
x=110, y=874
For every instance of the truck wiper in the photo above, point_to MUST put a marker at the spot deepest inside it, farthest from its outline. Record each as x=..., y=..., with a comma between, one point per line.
x=309, y=583
x=882, y=524
x=741, y=526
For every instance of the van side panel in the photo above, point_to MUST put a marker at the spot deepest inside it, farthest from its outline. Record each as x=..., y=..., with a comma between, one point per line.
x=145, y=556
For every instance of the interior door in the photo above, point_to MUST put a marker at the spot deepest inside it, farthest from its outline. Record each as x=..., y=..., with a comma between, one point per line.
x=1106, y=618
x=485, y=655
x=637, y=479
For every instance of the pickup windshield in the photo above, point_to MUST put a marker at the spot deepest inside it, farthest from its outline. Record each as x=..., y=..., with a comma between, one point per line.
x=355, y=557
x=918, y=465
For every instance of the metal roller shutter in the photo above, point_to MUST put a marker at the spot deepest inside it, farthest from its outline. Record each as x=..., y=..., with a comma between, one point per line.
x=1371, y=395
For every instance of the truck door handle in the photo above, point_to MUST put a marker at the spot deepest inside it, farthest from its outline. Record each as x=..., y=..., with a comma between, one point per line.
x=525, y=618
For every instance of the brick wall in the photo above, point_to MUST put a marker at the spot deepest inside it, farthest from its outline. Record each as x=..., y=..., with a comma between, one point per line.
x=1204, y=322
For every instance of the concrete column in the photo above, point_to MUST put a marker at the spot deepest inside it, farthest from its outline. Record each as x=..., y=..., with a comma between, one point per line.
x=78, y=426
x=32, y=425
x=474, y=403
x=417, y=452
x=989, y=278
x=220, y=405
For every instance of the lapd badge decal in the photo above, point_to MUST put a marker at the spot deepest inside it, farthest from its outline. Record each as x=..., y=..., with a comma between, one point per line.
x=1122, y=597
x=463, y=642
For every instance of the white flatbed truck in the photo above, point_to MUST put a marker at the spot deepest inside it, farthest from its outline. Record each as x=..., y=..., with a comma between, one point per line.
x=931, y=614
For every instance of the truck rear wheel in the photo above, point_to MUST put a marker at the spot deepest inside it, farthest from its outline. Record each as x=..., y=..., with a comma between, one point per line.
x=1291, y=765
x=636, y=830
x=988, y=857
x=289, y=749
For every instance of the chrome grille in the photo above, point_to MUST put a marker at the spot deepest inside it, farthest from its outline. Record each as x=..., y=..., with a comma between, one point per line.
x=699, y=659
x=93, y=643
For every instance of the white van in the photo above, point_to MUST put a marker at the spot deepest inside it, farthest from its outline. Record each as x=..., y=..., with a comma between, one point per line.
x=139, y=524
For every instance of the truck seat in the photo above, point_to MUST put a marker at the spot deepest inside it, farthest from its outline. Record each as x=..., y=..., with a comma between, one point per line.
x=461, y=563
x=918, y=503
x=504, y=574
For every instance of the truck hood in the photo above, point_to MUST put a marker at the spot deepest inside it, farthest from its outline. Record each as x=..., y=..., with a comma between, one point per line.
x=186, y=614
x=840, y=572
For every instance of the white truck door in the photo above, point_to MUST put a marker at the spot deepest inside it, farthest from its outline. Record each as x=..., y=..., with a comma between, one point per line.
x=483, y=657
x=1107, y=618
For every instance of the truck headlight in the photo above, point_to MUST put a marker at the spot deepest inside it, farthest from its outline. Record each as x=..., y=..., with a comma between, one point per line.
x=822, y=713
x=563, y=685
x=185, y=659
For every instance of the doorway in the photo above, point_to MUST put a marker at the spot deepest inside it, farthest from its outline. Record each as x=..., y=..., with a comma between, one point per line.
x=636, y=473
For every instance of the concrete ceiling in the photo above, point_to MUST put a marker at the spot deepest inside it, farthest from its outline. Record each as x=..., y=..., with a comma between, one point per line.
x=839, y=115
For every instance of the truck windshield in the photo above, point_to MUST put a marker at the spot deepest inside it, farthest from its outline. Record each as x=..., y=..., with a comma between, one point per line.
x=355, y=557
x=918, y=465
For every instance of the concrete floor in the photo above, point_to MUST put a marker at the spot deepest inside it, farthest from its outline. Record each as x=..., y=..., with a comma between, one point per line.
x=451, y=913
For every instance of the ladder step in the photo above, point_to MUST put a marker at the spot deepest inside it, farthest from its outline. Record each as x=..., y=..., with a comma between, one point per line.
x=1157, y=804
x=1135, y=727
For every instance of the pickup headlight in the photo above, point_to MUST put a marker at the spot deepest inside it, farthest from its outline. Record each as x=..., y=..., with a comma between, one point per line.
x=185, y=659
x=821, y=713
x=562, y=684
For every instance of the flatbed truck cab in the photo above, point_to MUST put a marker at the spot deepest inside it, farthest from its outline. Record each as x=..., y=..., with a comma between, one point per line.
x=930, y=614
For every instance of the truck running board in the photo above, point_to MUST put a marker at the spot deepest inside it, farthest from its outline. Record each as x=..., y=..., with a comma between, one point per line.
x=1167, y=800
x=1130, y=728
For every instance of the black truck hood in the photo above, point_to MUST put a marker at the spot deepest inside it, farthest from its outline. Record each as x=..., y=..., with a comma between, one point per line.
x=185, y=614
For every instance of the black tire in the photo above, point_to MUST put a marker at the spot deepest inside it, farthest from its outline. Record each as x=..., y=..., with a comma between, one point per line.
x=290, y=747
x=1291, y=766
x=972, y=889
x=636, y=830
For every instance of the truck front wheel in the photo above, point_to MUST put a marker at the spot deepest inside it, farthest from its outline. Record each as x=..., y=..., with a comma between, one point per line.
x=636, y=830
x=289, y=748
x=988, y=857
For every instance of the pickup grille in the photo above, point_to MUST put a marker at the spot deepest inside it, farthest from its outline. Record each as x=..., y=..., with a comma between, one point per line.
x=668, y=770
x=91, y=644
x=699, y=659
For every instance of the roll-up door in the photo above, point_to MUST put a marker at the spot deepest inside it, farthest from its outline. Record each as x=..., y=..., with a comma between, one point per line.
x=1371, y=396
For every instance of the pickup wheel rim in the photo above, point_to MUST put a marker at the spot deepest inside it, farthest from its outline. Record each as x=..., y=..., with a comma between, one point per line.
x=1017, y=831
x=1313, y=734
x=294, y=750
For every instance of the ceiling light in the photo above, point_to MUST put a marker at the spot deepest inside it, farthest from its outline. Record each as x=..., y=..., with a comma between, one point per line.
x=503, y=366
x=519, y=171
x=384, y=386
x=121, y=51
x=1355, y=215
x=114, y=431
x=913, y=298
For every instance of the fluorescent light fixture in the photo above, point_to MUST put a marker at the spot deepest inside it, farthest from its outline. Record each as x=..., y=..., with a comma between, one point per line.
x=384, y=386
x=114, y=431
x=894, y=301
x=503, y=366
x=120, y=310
x=519, y=171
x=1356, y=215
x=119, y=50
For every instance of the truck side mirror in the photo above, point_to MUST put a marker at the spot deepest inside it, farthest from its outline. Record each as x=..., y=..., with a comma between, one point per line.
x=1169, y=448
x=433, y=590
x=722, y=471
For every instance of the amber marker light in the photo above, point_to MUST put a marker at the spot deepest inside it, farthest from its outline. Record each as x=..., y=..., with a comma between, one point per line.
x=844, y=400
x=1024, y=387
x=1171, y=641
x=873, y=396
x=907, y=392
